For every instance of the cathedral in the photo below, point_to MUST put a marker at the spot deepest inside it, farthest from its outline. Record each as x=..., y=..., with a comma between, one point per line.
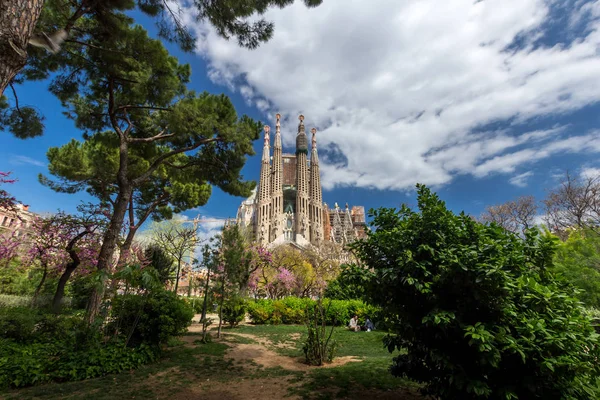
x=287, y=205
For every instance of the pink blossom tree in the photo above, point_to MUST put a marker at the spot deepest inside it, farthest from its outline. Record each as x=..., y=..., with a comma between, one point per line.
x=64, y=243
x=10, y=244
x=7, y=201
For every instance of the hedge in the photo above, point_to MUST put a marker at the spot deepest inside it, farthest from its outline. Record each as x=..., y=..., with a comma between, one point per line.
x=290, y=310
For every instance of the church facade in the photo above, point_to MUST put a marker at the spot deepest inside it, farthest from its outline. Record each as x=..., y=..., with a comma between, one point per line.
x=287, y=205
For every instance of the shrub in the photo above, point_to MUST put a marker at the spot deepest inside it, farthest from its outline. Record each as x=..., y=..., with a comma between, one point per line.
x=291, y=310
x=234, y=311
x=195, y=302
x=475, y=308
x=319, y=347
x=152, y=318
x=37, y=347
x=18, y=323
x=27, y=364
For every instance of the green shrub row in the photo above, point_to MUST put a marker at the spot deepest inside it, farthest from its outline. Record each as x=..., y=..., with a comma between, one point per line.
x=291, y=310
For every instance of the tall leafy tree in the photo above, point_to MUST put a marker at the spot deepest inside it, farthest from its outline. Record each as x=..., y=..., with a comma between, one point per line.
x=49, y=35
x=131, y=101
x=475, y=309
x=578, y=261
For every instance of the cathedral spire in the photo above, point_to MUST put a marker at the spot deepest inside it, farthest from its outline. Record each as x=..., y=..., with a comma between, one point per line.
x=277, y=184
x=302, y=183
x=301, y=139
x=264, y=193
x=316, y=195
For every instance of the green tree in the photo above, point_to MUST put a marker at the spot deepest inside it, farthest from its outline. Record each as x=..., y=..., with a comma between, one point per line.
x=60, y=30
x=475, y=308
x=578, y=261
x=131, y=102
x=161, y=262
x=175, y=240
x=352, y=283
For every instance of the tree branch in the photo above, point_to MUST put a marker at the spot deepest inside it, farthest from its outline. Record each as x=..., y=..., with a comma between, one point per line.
x=156, y=163
x=142, y=107
x=16, y=99
x=111, y=109
x=159, y=136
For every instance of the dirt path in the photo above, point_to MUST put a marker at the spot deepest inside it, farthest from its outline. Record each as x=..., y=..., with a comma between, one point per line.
x=258, y=356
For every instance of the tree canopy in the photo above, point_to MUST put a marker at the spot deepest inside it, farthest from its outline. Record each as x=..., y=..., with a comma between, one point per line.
x=82, y=23
x=475, y=307
x=149, y=144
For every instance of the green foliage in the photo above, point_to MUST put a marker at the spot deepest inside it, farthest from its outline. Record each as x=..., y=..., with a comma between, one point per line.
x=28, y=364
x=80, y=289
x=151, y=318
x=318, y=347
x=23, y=122
x=195, y=303
x=291, y=310
x=350, y=284
x=38, y=347
x=577, y=260
x=18, y=323
x=234, y=310
x=475, y=308
x=161, y=262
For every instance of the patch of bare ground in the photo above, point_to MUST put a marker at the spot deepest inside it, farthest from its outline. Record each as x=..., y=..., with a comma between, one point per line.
x=270, y=359
x=398, y=394
x=243, y=389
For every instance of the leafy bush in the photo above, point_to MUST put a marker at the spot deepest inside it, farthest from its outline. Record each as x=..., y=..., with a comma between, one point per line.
x=234, y=311
x=349, y=284
x=475, y=308
x=36, y=347
x=195, y=302
x=27, y=364
x=291, y=310
x=151, y=318
x=577, y=260
x=18, y=323
x=80, y=289
x=319, y=347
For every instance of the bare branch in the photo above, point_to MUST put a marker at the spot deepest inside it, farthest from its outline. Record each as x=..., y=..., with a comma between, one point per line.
x=156, y=137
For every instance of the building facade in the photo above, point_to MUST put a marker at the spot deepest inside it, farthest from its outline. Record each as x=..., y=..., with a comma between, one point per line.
x=16, y=221
x=287, y=205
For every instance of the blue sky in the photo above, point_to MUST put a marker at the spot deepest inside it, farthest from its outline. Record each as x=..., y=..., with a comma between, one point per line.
x=483, y=101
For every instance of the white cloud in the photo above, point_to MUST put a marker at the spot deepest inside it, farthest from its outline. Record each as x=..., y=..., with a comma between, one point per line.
x=405, y=89
x=590, y=172
x=24, y=160
x=521, y=179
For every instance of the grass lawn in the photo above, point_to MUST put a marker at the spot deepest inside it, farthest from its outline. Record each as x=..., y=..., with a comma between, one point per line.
x=250, y=362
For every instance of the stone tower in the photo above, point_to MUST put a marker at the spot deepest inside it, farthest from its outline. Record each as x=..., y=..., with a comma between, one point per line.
x=302, y=197
x=287, y=205
x=263, y=211
x=316, y=195
x=277, y=219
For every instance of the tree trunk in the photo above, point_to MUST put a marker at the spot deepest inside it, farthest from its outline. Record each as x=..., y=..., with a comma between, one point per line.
x=126, y=247
x=221, y=306
x=41, y=284
x=177, y=277
x=109, y=244
x=60, y=289
x=205, y=295
x=17, y=22
x=62, y=282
